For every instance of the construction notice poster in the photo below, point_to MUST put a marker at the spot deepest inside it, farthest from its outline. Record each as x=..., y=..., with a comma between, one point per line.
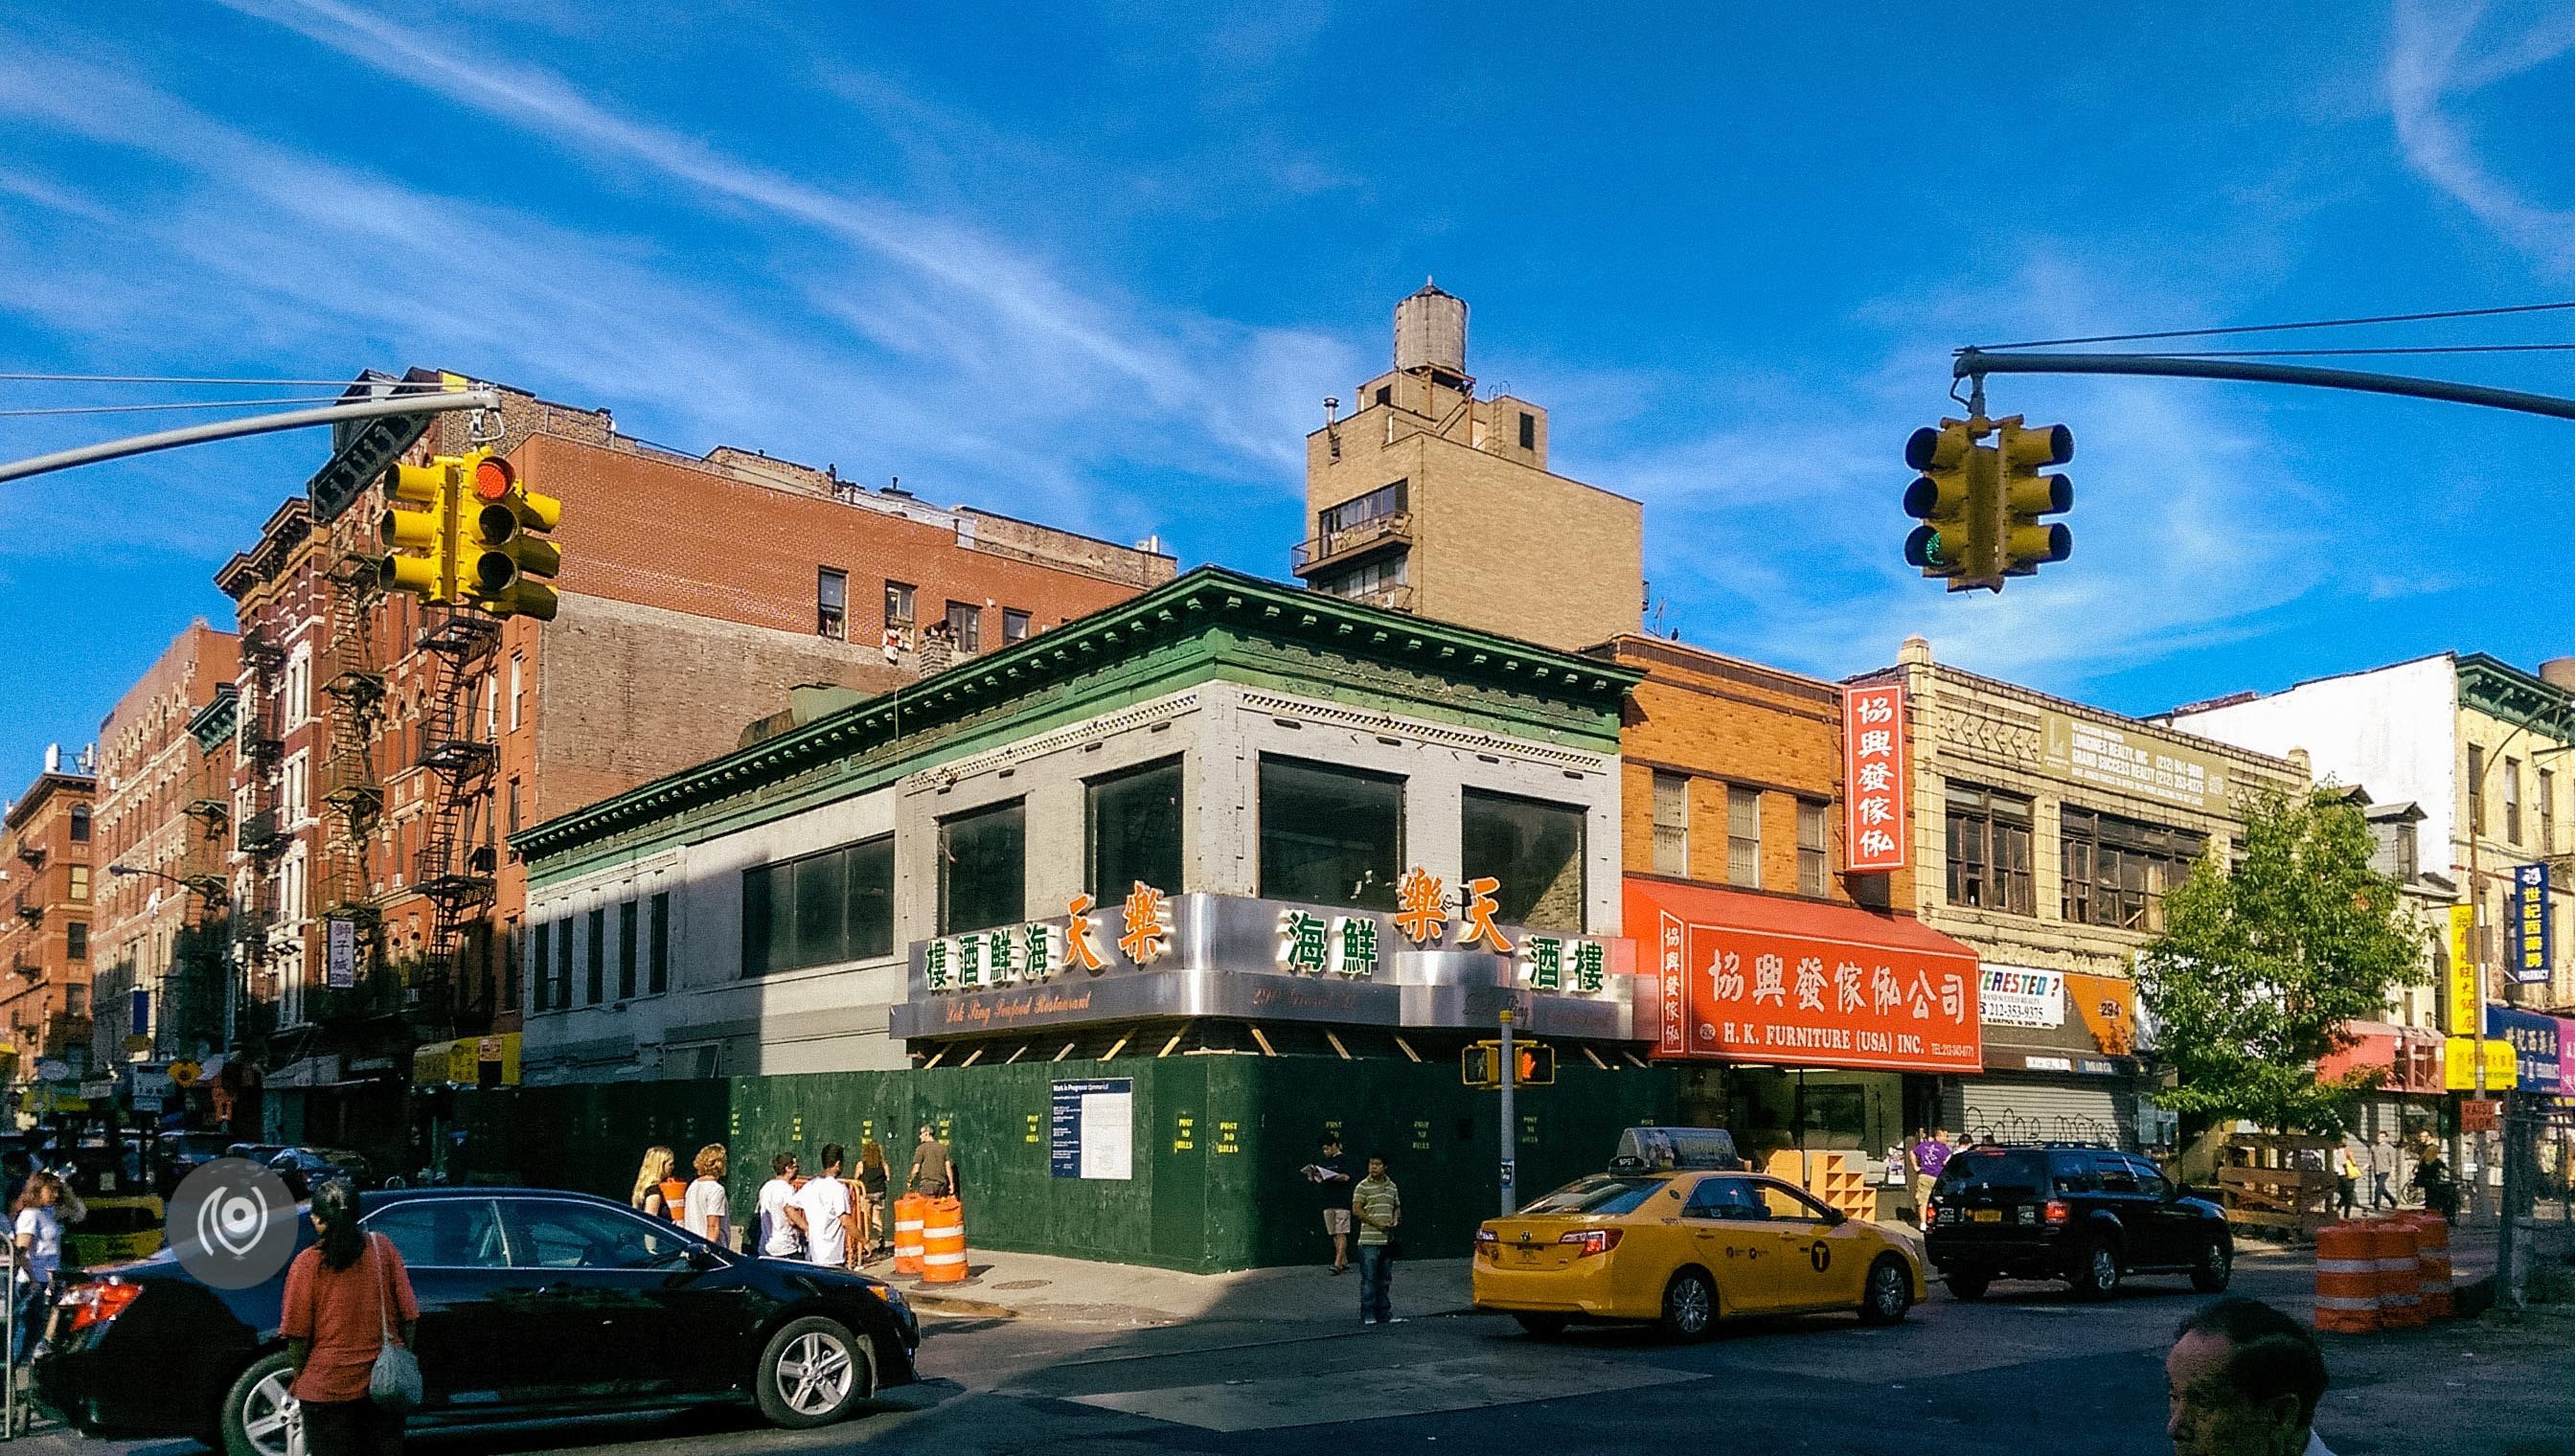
x=1090, y=1128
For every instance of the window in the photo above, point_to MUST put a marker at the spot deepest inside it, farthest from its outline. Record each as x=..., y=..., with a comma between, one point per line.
x=656, y=975
x=2150, y=1181
x=832, y=604
x=816, y=910
x=1015, y=624
x=510, y=935
x=1368, y=579
x=1787, y=1205
x=2118, y=1175
x=1813, y=850
x=517, y=691
x=1330, y=836
x=563, y=965
x=514, y=806
x=540, y=967
x=76, y=1002
x=983, y=868
x=551, y=1236
x=626, y=951
x=80, y=824
x=966, y=626
x=2071, y=1172
x=445, y=1233
x=1384, y=394
x=1134, y=831
x=1672, y=823
x=80, y=882
x=491, y=708
x=1377, y=504
x=1989, y=851
x=2408, y=864
x=898, y=604
x=2115, y=871
x=1535, y=848
x=2547, y=810
x=1743, y=837
x=2512, y=800
x=1727, y=1198
x=595, y=966
x=76, y=941
x=1528, y=431
x=2476, y=789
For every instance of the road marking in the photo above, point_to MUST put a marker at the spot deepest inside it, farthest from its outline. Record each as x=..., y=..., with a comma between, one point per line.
x=1428, y=1388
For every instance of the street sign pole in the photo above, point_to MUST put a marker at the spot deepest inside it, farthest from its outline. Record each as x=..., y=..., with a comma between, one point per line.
x=1510, y=1075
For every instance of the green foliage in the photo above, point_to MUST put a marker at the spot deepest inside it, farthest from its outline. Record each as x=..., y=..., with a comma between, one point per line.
x=2260, y=966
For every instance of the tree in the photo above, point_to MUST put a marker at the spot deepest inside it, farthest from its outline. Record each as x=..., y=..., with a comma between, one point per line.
x=2260, y=966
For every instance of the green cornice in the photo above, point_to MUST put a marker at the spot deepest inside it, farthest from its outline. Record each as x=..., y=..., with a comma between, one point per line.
x=1211, y=623
x=215, y=721
x=2499, y=690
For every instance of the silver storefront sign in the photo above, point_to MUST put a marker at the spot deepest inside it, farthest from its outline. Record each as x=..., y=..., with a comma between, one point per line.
x=1244, y=959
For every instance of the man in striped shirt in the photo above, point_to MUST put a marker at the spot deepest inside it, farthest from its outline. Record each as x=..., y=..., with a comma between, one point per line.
x=1379, y=1207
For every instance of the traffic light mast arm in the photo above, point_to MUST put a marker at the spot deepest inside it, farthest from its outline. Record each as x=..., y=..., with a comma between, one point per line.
x=1975, y=364
x=423, y=404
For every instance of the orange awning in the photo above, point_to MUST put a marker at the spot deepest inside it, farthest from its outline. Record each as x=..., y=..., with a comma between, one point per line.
x=1733, y=976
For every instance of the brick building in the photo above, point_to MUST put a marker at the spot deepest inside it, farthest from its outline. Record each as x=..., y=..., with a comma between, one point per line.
x=1432, y=500
x=45, y=954
x=390, y=749
x=155, y=820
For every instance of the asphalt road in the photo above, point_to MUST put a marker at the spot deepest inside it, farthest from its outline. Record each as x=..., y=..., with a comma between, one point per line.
x=2028, y=1370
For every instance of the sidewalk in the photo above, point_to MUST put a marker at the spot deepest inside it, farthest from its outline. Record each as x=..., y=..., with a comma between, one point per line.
x=1081, y=1291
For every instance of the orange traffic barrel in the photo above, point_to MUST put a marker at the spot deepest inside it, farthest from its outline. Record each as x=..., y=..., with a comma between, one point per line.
x=2400, y=1275
x=943, y=1242
x=2346, y=1279
x=2432, y=1249
x=907, y=1211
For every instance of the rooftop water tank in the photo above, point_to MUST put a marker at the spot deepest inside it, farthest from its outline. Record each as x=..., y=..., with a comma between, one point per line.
x=1430, y=331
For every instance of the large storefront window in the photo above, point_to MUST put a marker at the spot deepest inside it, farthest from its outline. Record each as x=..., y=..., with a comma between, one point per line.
x=1134, y=831
x=1330, y=836
x=983, y=868
x=1534, y=850
x=1989, y=851
x=819, y=909
x=2116, y=871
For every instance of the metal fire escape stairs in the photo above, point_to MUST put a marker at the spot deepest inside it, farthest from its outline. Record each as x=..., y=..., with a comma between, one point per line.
x=455, y=870
x=355, y=689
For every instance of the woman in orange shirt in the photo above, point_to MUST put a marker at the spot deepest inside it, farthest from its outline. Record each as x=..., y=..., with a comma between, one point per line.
x=344, y=1297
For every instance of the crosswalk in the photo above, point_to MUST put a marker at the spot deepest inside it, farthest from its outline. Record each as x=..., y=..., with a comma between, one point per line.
x=1502, y=1375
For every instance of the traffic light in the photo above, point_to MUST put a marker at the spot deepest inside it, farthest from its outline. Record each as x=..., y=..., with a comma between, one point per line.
x=420, y=556
x=2027, y=542
x=505, y=562
x=1479, y=1065
x=1942, y=497
x=1535, y=1064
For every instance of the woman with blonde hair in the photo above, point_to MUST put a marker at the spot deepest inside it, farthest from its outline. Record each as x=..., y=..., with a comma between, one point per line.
x=649, y=1197
x=708, y=1210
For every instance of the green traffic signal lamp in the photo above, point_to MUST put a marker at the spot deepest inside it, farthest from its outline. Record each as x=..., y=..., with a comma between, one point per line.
x=1938, y=496
x=2028, y=494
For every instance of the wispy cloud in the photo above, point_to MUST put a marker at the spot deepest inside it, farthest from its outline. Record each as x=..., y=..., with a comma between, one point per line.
x=2431, y=63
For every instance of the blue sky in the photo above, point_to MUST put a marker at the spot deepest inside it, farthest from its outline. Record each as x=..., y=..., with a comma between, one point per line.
x=1099, y=266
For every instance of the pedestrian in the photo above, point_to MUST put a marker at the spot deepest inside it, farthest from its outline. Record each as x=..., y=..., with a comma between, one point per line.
x=933, y=1171
x=2243, y=1379
x=2382, y=1169
x=1329, y=1172
x=2346, y=1179
x=346, y=1297
x=1929, y=1155
x=1377, y=1206
x=780, y=1237
x=45, y=1203
x=821, y=1211
x=875, y=1237
x=2432, y=1177
x=704, y=1209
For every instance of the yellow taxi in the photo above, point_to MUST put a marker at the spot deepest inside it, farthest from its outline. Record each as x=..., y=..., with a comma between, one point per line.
x=1686, y=1249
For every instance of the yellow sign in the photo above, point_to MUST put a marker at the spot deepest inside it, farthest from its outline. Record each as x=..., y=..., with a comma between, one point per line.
x=2459, y=1064
x=185, y=1072
x=2465, y=998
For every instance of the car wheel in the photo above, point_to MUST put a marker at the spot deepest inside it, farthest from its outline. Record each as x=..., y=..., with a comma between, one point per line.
x=1689, y=1306
x=1969, y=1287
x=1544, y=1326
x=1887, y=1294
x=2215, y=1268
x=2096, y=1271
x=258, y=1408
x=812, y=1373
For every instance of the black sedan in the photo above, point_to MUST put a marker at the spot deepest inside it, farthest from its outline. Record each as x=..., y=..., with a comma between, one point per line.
x=532, y=1304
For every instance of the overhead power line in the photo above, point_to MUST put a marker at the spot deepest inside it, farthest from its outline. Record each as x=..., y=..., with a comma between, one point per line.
x=187, y=404
x=2282, y=328
x=40, y=377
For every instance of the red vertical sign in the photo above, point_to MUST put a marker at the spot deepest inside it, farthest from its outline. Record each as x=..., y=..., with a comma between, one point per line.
x=1874, y=793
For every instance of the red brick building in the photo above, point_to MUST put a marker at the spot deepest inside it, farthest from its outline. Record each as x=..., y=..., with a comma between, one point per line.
x=45, y=952
x=388, y=749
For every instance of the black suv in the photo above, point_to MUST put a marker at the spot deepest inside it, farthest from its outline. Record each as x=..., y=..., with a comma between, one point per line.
x=2087, y=1215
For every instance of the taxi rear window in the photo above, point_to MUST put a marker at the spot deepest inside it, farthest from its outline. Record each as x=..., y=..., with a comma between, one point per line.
x=2015, y=1172
x=1602, y=1193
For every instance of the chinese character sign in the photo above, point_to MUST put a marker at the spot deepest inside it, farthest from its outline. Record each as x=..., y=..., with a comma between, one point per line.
x=1874, y=797
x=2463, y=995
x=2532, y=953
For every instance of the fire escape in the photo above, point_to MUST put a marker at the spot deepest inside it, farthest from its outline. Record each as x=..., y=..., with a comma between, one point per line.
x=261, y=836
x=198, y=965
x=355, y=688
x=455, y=870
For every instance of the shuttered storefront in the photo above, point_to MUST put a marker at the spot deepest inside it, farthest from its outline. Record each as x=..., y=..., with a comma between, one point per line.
x=2026, y=1108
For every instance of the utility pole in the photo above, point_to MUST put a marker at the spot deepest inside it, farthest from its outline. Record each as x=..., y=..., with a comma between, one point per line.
x=1510, y=1076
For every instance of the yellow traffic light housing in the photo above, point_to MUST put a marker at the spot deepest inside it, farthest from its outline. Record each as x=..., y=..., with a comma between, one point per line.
x=2028, y=450
x=505, y=563
x=419, y=528
x=1479, y=1064
x=1954, y=539
x=1537, y=1064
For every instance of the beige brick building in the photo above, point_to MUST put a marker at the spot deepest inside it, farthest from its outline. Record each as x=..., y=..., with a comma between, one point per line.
x=1430, y=499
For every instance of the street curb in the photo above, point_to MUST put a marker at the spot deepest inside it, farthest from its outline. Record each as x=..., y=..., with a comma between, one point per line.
x=947, y=1305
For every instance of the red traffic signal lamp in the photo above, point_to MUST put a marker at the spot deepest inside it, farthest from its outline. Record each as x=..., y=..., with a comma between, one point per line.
x=1479, y=1064
x=504, y=563
x=1535, y=1064
x=2027, y=494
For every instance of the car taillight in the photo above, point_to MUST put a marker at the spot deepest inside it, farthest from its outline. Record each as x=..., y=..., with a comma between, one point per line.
x=99, y=1302
x=2057, y=1211
x=1592, y=1240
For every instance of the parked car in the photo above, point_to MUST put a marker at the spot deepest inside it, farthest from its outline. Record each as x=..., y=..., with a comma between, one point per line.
x=182, y=1153
x=2089, y=1215
x=533, y=1304
x=303, y=1170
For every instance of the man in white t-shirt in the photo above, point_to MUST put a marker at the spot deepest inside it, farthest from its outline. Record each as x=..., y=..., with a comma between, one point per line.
x=822, y=1210
x=778, y=1236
